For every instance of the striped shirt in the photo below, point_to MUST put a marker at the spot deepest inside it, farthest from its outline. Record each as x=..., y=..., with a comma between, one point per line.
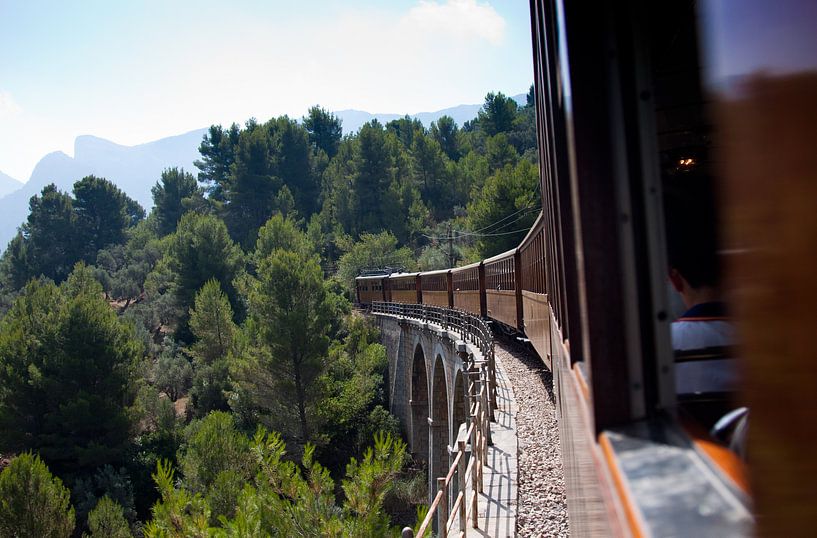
x=704, y=326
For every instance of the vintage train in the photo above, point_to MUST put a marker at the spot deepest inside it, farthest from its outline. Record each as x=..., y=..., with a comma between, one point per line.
x=638, y=103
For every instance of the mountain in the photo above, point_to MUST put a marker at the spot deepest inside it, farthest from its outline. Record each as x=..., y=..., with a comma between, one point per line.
x=354, y=119
x=134, y=169
x=8, y=184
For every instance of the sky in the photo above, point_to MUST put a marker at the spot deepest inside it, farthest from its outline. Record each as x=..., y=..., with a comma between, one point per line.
x=136, y=71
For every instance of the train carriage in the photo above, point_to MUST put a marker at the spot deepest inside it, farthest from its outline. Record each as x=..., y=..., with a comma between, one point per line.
x=370, y=289
x=469, y=288
x=436, y=289
x=404, y=288
x=502, y=296
x=533, y=287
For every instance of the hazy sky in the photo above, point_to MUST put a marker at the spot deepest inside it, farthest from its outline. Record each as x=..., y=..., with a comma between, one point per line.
x=135, y=71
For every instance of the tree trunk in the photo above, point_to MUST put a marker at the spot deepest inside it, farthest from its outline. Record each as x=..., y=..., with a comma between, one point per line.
x=300, y=394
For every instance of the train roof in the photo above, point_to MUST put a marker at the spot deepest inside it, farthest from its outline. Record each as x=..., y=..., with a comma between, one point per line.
x=436, y=272
x=533, y=229
x=465, y=267
x=403, y=275
x=371, y=277
x=498, y=257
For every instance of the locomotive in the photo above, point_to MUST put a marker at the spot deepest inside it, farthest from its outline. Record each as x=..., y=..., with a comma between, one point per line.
x=632, y=99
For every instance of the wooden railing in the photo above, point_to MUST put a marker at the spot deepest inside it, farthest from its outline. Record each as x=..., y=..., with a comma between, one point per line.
x=471, y=329
x=481, y=402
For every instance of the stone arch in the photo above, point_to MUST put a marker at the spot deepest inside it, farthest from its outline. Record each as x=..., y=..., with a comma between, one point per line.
x=419, y=405
x=440, y=428
x=459, y=411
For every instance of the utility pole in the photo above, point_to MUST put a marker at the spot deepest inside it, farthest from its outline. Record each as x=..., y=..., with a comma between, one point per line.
x=450, y=247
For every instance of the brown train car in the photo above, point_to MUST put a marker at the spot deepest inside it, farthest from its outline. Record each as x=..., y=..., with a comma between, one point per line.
x=536, y=319
x=436, y=289
x=404, y=288
x=370, y=289
x=502, y=296
x=468, y=288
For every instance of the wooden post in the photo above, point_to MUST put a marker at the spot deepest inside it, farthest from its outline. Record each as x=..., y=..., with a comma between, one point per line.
x=492, y=381
x=462, y=486
x=442, y=509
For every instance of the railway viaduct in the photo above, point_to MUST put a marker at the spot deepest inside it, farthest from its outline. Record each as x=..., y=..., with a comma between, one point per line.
x=429, y=369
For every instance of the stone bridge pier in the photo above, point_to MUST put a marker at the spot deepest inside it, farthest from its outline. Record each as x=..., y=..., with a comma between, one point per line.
x=428, y=372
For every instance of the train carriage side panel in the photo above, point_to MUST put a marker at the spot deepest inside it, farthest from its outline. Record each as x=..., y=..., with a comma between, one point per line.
x=500, y=288
x=403, y=288
x=369, y=289
x=435, y=287
x=536, y=313
x=467, y=290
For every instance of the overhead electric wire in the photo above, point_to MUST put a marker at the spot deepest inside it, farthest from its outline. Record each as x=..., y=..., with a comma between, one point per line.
x=477, y=233
x=504, y=233
x=504, y=218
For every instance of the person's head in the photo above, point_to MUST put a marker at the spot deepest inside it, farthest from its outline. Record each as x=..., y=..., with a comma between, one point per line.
x=692, y=239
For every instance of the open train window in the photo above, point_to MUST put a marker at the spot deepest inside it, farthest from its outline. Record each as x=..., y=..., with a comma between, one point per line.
x=702, y=334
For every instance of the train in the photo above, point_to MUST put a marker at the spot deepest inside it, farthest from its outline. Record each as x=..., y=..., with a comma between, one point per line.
x=637, y=104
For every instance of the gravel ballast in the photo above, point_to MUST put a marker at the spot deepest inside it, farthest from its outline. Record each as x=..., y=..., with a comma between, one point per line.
x=542, y=503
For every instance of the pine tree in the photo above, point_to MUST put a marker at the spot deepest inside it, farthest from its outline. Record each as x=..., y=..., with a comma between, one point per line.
x=65, y=366
x=168, y=197
x=33, y=503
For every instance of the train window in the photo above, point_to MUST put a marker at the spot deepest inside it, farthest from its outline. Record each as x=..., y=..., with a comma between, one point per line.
x=702, y=335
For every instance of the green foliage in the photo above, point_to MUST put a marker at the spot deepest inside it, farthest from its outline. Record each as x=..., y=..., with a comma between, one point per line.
x=179, y=513
x=273, y=169
x=217, y=151
x=173, y=371
x=103, y=214
x=211, y=321
x=65, y=368
x=106, y=483
x=373, y=251
x=447, y=134
x=285, y=499
x=107, y=520
x=431, y=172
x=33, y=504
x=201, y=250
x=497, y=114
x=212, y=446
x=406, y=129
x=61, y=230
x=169, y=198
x=500, y=152
x=51, y=246
x=353, y=393
x=324, y=130
x=369, y=481
x=373, y=165
x=123, y=269
x=290, y=313
x=280, y=233
x=15, y=267
x=508, y=191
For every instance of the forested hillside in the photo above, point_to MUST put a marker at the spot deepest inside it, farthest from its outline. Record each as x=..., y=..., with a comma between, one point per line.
x=182, y=373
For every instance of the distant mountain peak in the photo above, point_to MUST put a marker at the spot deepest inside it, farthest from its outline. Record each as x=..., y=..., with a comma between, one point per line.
x=355, y=119
x=8, y=184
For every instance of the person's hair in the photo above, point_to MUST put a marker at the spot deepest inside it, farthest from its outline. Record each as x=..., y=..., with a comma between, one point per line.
x=691, y=228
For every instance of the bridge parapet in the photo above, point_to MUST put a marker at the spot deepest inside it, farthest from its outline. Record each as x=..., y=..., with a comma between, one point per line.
x=442, y=386
x=470, y=328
